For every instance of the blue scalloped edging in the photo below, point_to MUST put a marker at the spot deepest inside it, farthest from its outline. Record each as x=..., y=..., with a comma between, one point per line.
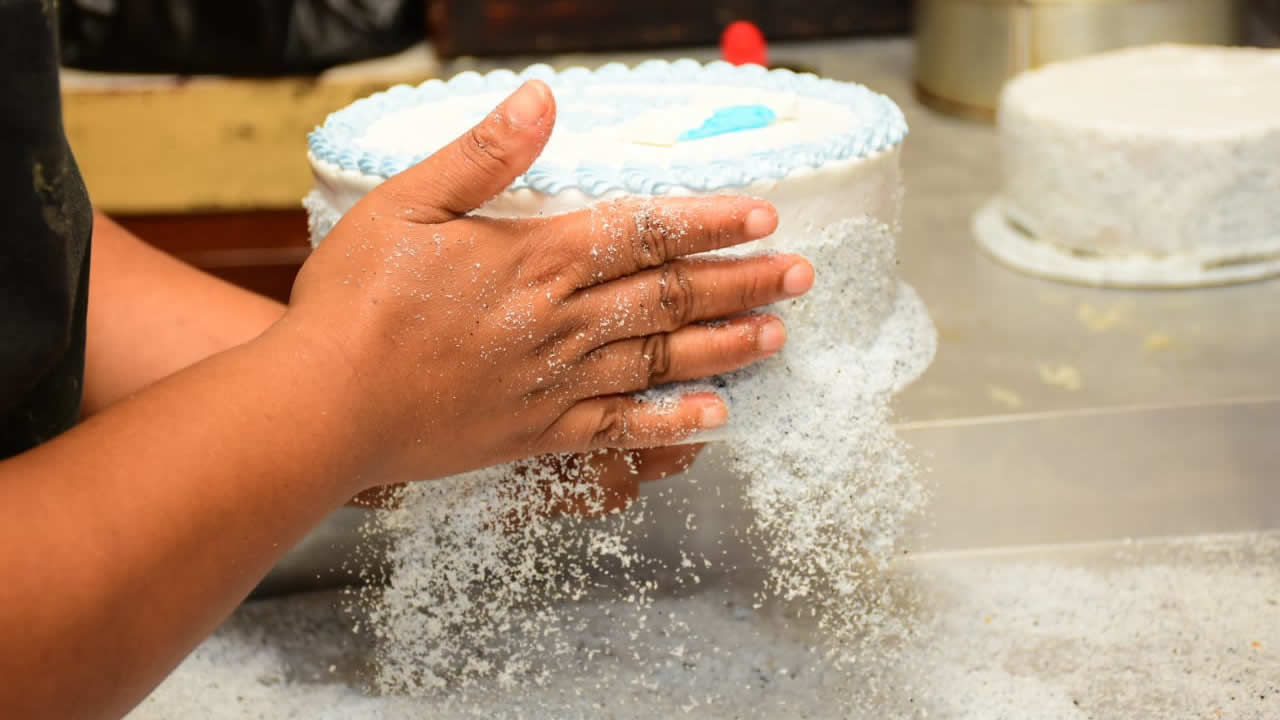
x=883, y=127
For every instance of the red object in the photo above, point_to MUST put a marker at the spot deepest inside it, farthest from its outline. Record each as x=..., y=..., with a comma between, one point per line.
x=742, y=43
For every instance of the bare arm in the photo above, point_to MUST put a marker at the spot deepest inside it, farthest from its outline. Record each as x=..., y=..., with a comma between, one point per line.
x=151, y=315
x=127, y=539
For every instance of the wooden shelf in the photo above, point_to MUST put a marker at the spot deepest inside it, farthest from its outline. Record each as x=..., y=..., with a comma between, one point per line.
x=171, y=144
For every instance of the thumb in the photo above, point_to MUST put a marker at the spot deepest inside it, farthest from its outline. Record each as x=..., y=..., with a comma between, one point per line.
x=472, y=169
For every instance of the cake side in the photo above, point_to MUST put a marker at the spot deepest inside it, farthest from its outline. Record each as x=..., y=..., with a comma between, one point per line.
x=1155, y=152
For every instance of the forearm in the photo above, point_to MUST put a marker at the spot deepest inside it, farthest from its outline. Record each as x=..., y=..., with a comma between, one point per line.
x=151, y=315
x=129, y=538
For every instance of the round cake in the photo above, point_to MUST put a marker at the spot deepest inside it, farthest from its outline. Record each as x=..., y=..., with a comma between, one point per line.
x=825, y=153
x=1148, y=167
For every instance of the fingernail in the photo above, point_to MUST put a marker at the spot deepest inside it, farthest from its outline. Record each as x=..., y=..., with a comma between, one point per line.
x=714, y=414
x=526, y=106
x=760, y=222
x=772, y=336
x=797, y=279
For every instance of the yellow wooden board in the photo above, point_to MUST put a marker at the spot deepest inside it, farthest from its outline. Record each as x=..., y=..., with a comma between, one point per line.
x=162, y=144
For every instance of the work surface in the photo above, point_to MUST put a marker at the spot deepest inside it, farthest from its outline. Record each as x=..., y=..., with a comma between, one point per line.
x=1053, y=414
x=1123, y=631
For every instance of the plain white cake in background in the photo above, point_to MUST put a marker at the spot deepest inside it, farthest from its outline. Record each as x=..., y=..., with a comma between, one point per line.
x=825, y=153
x=1148, y=167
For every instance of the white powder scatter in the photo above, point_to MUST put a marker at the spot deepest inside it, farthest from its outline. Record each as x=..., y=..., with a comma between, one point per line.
x=487, y=575
x=1156, y=629
x=830, y=484
x=485, y=568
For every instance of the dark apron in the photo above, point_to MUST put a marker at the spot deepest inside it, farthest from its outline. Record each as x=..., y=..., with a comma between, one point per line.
x=45, y=226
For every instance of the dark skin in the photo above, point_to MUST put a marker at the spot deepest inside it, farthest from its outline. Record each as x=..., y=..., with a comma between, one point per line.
x=212, y=444
x=151, y=315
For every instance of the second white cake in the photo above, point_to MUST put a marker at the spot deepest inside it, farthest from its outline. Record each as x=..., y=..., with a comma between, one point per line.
x=1155, y=166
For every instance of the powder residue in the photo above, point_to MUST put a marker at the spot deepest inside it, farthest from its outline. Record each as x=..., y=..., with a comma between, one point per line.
x=1154, y=629
x=488, y=584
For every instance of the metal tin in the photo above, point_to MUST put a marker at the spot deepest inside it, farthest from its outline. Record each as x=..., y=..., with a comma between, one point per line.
x=967, y=49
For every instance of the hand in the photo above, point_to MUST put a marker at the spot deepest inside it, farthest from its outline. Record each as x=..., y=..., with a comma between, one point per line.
x=617, y=473
x=467, y=341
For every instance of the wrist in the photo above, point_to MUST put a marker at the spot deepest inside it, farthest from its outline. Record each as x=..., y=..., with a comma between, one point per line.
x=330, y=411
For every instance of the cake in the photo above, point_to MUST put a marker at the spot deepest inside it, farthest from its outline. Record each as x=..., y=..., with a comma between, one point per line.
x=809, y=447
x=825, y=153
x=1147, y=167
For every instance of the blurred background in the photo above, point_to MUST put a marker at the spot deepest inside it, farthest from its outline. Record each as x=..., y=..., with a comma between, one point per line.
x=189, y=116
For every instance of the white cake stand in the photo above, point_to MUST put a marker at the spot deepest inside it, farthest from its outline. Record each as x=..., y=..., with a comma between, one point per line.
x=1015, y=247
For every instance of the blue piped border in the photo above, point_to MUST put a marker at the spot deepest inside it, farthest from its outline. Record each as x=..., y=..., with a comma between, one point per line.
x=883, y=127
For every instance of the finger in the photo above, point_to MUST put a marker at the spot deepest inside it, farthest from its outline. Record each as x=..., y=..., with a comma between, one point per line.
x=381, y=497
x=579, y=484
x=472, y=169
x=693, y=352
x=616, y=481
x=687, y=291
x=618, y=238
x=663, y=462
x=622, y=421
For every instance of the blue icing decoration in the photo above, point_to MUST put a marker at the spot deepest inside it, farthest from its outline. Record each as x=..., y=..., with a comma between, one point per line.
x=882, y=126
x=732, y=119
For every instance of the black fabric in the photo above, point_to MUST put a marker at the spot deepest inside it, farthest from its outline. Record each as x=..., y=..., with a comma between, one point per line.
x=265, y=37
x=45, y=226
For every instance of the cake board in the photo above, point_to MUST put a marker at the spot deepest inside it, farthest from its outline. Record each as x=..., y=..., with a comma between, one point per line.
x=1015, y=247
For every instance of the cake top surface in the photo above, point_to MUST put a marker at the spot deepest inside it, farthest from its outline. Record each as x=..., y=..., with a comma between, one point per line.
x=645, y=129
x=1173, y=89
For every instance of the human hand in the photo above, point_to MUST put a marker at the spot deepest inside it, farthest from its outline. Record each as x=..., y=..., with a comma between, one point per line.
x=466, y=341
x=615, y=475
x=621, y=472
x=604, y=481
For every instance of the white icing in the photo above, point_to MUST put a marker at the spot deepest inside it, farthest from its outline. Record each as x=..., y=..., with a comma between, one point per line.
x=1147, y=153
x=646, y=138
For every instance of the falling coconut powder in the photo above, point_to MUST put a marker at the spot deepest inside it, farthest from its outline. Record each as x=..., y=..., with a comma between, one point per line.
x=488, y=584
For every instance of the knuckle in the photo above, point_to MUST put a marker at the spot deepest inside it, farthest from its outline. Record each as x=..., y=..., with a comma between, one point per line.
x=753, y=292
x=650, y=246
x=551, y=260
x=611, y=427
x=544, y=264
x=675, y=297
x=484, y=146
x=656, y=352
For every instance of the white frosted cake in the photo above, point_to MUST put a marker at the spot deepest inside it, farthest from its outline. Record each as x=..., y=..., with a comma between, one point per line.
x=1148, y=167
x=825, y=153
